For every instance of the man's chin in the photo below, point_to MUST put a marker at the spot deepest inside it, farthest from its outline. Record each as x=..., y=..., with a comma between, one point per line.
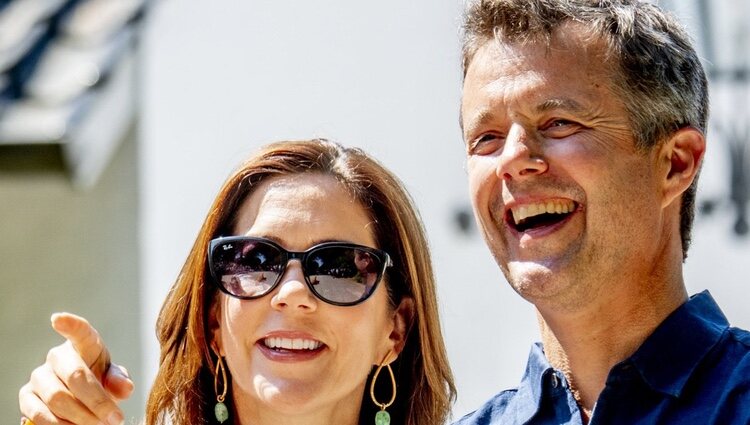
x=532, y=280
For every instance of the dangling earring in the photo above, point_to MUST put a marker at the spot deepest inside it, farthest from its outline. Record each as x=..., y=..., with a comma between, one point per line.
x=383, y=417
x=220, y=409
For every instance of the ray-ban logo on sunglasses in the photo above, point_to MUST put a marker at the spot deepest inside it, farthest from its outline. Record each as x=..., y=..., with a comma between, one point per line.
x=227, y=247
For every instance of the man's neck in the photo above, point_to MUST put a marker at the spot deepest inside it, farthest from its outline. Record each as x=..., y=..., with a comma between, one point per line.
x=586, y=344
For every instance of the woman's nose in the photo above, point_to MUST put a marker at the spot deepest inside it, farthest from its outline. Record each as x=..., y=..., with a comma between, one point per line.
x=292, y=292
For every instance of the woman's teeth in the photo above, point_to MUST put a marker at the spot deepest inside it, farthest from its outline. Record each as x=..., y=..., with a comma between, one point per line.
x=292, y=343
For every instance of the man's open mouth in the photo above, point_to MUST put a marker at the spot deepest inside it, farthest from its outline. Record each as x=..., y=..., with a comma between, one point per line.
x=533, y=216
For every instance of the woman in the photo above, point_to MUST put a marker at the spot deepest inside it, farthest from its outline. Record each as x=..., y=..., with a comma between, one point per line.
x=309, y=275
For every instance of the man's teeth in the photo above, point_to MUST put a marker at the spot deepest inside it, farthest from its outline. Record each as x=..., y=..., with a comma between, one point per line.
x=523, y=212
x=292, y=343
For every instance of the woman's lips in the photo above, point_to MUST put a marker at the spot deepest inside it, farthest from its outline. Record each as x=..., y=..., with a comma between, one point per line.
x=290, y=347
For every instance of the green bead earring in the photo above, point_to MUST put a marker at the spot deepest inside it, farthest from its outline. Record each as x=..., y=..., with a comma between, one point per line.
x=383, y=417
x=220, y=409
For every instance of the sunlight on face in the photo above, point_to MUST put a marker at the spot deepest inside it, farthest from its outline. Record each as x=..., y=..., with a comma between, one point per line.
x=334, y=347
x=559, y=190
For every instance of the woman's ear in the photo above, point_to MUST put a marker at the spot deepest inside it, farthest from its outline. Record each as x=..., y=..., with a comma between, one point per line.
x=214, y=326
x=402, y=317
x=682, y=156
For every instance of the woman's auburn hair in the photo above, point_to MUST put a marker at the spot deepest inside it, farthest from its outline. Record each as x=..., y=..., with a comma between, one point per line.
x=183, y=392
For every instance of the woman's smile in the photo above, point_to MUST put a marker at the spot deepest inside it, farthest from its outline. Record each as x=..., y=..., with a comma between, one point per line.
x=290, y=346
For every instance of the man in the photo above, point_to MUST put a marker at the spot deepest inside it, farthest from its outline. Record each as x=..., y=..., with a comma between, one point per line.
x=584, y=126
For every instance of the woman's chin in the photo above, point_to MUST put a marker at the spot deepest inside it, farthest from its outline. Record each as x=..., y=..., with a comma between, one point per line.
x=291, y=398
x=286, y=394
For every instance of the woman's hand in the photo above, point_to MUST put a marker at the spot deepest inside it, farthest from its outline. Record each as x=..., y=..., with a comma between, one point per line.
x=77, y=384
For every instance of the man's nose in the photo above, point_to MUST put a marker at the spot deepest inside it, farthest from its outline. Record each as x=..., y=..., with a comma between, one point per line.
x=521, y=156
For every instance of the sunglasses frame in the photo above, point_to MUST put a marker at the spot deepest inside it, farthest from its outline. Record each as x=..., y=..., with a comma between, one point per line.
x=302, y=256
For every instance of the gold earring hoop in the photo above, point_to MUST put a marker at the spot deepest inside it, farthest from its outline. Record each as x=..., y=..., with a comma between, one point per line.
x=383, y=417
x=221, y=412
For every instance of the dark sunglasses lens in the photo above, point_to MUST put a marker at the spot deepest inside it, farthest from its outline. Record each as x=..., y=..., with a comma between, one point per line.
x=246, y=268
x=343, y=275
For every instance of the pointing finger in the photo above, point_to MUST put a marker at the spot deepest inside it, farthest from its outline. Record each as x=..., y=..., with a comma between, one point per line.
x=85, y=340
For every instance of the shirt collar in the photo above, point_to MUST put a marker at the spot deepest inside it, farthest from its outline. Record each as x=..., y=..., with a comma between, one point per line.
x=531, y=387
x=668, y=357
x=665, y=360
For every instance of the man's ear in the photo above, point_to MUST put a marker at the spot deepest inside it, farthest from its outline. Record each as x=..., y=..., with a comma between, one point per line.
x=403, y=315
x=681, y=155
x=214, y=327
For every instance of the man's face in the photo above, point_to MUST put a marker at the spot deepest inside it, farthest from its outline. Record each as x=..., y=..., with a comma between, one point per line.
x=565, y=201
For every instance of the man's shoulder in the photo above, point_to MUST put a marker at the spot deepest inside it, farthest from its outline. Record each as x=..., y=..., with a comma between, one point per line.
x=741, y=336
x=736, y=354
x=724, y=387
x=734, y=349
x=493, y=411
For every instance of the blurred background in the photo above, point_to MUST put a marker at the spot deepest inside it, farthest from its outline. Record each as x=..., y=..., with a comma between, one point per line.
x=119, y=119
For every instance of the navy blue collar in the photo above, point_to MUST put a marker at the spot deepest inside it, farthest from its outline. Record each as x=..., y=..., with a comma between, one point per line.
x=532, y=387
x=665, y=361
x=668, y=357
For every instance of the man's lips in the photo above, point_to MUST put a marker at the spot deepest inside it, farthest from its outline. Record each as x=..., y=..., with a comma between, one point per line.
x=539, y=215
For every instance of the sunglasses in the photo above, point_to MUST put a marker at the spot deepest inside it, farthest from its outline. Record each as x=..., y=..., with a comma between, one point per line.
x=338, y=273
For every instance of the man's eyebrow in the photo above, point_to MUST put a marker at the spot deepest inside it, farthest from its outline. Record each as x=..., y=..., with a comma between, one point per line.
x=487, y=115
x=563, y=103
x=477, y=120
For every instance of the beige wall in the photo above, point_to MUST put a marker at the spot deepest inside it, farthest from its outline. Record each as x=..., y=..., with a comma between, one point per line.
x=62, y=249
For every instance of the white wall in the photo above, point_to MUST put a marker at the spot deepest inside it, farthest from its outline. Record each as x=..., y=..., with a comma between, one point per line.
x=223, y=77
x=63, y=249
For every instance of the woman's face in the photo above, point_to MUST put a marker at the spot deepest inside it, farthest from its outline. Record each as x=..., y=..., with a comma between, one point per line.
x=297, y=212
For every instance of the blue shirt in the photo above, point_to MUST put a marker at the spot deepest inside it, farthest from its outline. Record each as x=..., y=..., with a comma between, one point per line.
x=694, y=369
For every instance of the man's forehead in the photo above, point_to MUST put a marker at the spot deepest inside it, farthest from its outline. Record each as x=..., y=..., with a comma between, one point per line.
x=569, y=38
x=499, y=63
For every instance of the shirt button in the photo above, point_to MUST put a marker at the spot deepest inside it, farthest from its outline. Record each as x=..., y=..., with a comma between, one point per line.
x=554, y=380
